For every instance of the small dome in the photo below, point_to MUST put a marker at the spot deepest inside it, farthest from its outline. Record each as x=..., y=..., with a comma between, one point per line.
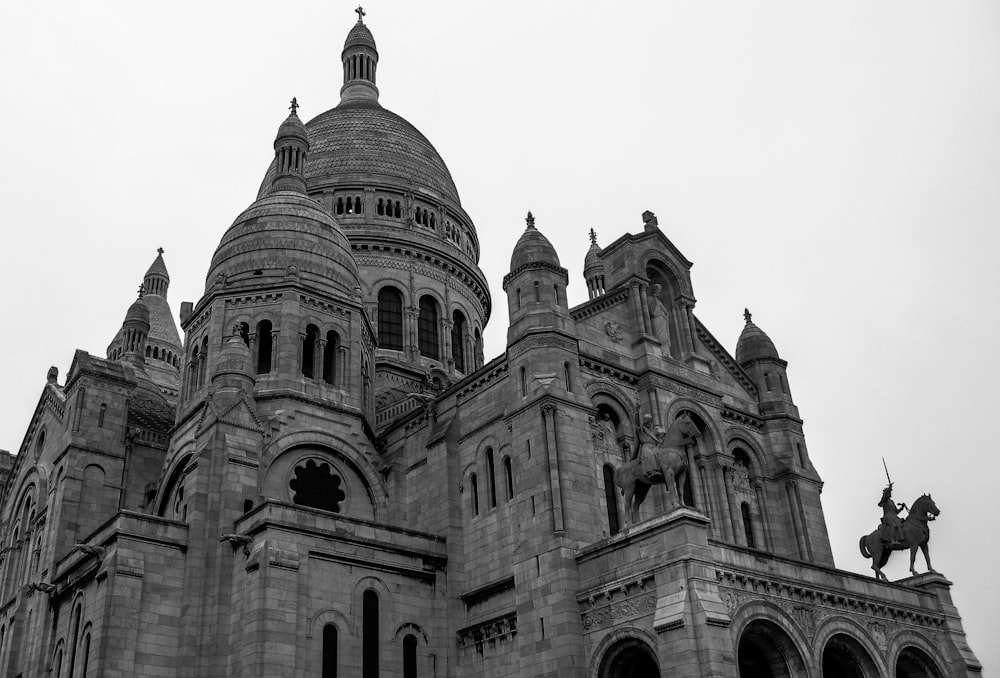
x=234, y=360
x=292, y=127
x=286, y=231
x=138, y=312
x=359, y=36
x=754, y=344
x=533, y=248
x=592, y=262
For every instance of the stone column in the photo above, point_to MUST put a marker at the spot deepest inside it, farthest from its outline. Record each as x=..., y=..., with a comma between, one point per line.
x=765, y=523
x=793, y=509
x=735, y=515
x=725, y=514
x=341, y=377
x=644, y=302
x=552, y=450
x=636, y=307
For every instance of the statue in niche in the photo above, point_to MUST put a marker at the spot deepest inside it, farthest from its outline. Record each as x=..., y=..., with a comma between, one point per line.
x=607, y=427
x=658, y=317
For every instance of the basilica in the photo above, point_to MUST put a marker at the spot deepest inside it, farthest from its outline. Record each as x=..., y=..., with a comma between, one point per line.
x=319, y=473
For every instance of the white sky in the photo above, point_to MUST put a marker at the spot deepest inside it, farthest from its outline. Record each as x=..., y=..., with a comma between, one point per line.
x=833, y=166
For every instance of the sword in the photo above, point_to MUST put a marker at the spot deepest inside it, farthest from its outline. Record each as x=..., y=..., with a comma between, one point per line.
x=886, y=472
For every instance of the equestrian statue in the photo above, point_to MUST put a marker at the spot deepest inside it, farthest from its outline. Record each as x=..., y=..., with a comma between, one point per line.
x=659, y=458
x=894, y=534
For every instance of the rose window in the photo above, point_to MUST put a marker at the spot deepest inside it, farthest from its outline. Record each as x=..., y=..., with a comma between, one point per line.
x=315, y=484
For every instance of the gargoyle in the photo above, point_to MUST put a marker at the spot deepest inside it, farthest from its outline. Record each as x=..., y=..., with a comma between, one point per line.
x=43, y=587
x=87, y=549
x=238, y=540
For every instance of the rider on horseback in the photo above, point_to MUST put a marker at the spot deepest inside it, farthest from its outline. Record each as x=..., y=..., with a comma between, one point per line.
x=649, y=441
x=891, y=530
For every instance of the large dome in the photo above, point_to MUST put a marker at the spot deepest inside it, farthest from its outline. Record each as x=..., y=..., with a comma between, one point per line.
x=362, y=139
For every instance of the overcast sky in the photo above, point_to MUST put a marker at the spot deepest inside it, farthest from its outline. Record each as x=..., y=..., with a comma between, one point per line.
x=832, y=166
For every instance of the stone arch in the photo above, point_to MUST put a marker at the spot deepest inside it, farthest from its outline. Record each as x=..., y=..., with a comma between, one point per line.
x=173, y=476
x=389, y=281
x=839, y=625
x=655, y=258
x=765, y=649
x=618, y=649
x=678, y=404
x=736, y=439
x=357, y=474
x=603, y=391
x=798, y=639
x=843, y=655
x=34, y=482
x=386, y=604
x=327, y=616
x=911, y=655
x=410, y=627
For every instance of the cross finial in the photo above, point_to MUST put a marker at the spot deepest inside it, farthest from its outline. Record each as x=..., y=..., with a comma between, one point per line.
x=593, y=237
x=530, y=220
x=159, y=250
x=141, y=288
x=361, y=13
x=295, y=106
x=746, y=315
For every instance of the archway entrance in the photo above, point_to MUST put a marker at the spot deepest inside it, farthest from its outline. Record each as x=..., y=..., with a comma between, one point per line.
x=914, y=663
x=629, y=658
x=766, y=651
x=845, y=657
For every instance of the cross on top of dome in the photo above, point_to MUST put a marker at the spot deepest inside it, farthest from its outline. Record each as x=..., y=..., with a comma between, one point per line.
x=361, y=13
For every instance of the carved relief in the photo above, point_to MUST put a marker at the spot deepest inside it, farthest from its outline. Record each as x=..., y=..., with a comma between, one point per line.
x=625, y=609
x=614, y=331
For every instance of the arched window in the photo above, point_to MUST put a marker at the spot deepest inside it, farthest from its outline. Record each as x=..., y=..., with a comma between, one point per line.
x=74, y=637
x=149, y=351
x=380, y=208
x=458, y=340
x=340, y=205
x=390, y=318
x=330, y=357
x=427, y=328
x=491, y=479
x=611, y=499
x=369, y=630
x=508, y=474
x=767, y=381
x=409, y=656
x=329, y=651
x=748, y=525
x=245, y=333
x=85, y=656
x=358, y=206
x=566, y=378
x=203, y=366
x=264, y=346
x=474, y=487
x=194, y=369
x=309, y=345
x=524, y=382
x=56, y=663
x=538, y=293
x=478, y=340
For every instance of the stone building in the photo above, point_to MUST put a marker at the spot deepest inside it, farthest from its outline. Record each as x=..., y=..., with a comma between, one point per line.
x=326, y=478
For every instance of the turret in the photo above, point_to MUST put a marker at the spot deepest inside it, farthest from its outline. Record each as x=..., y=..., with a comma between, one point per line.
x=135, y=328
x=756, y=354
x=360, y=61
x=593, y=268
x=535, y=286
x=290, y=148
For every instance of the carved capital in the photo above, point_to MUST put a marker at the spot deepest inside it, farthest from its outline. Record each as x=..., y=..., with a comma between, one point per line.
x=549, y=409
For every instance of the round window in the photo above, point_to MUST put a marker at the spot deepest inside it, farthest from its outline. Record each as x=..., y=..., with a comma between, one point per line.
x=314, y=483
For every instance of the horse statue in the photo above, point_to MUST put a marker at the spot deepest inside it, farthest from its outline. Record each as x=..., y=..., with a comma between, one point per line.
x=914, y=533
x=660, y=459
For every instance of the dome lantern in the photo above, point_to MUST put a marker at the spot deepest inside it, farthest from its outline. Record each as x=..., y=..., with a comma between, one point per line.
x=360, y=60
x=290, y=148
x=593, y=268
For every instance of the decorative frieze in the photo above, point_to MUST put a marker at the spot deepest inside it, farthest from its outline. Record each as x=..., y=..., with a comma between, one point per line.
x=742, y=418
x=619, y=602
x=488, y=632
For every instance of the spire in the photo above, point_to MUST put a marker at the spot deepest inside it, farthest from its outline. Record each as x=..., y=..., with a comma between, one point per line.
x=157, y=280
x=593, y=268
x=360, y=62
x=290, y=149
